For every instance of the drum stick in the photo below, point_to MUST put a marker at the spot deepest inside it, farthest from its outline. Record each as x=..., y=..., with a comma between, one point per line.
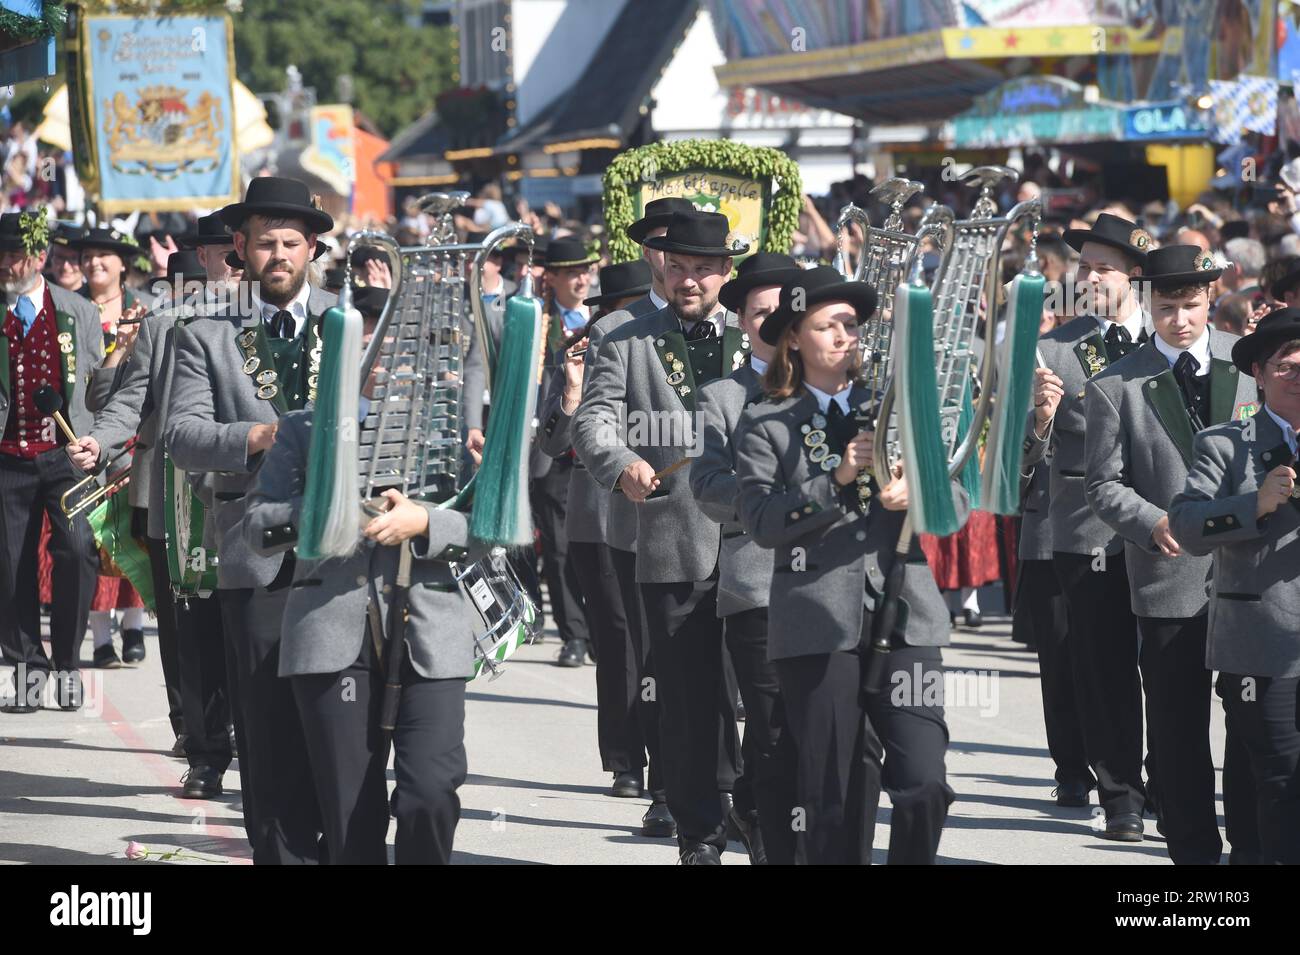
x=50, y=402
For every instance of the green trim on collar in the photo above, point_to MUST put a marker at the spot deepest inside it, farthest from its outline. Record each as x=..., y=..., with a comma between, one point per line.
x=1223, y=390
x=1091, y=355
x=1166, y=399
x=671, y=348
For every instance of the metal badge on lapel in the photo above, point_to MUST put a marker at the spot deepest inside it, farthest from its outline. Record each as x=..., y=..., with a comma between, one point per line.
x=831, y=463
x=251, y=363
x=65, y=337
x=267, y=392
x=267, y=377
x=247, y=339
x=818, y=421
x=815, y=438
x=818, y=454
x=676, y=378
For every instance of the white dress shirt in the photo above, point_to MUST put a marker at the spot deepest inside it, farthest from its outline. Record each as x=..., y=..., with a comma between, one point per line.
x=656, y=300
x=1135, y=324
x=297, y=308
x=758, y=364
x=1200, y=350
x=824, y=400
x=1288, y=432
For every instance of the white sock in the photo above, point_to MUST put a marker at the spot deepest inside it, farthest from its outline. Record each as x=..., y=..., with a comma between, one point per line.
x=132, y=619
x=972, y=601
x=101, y=628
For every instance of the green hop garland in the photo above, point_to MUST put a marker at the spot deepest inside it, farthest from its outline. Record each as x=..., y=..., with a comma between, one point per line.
x=629, y=169
x=141, y=261
x=34, y=228
x=15, y=26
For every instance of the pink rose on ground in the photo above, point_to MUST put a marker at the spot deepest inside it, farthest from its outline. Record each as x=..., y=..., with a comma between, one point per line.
x=136, y=851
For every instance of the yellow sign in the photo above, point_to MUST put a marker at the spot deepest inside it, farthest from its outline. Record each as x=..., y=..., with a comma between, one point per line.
x=743, y=201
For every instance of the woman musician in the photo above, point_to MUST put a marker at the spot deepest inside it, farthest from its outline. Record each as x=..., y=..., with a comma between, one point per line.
x=804, y=492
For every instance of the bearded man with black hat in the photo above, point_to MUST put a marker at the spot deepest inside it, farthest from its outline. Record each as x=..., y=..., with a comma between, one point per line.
x=235, y=375
x=1241, y=505
x=649, y=370
x=191, y=641
x=50, y=339
x=764, y=794
x=1087, y=553
x=1142, y=414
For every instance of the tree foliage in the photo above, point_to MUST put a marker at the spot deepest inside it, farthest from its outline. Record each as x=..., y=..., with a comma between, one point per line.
x=397, y=69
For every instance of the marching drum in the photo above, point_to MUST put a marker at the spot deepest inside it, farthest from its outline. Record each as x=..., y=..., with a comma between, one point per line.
x=191, y=567
x=508, y=612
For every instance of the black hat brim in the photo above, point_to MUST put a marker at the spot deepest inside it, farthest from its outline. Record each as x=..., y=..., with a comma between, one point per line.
x=1076, y=238
x=127, y=253
x=194, y=240
x=1178, y=279
x=732, y=294
x=638, y=230
x=663, y=244
x=316, y=220
x=572, y=263
x=858, y=294
x=608, y=298
x=1258, y=345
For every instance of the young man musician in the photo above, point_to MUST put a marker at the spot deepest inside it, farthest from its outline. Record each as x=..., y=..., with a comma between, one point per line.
x=1142, y=413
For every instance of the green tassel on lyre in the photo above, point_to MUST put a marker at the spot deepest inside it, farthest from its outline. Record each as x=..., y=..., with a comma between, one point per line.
x=331, y=499
x=500, y=514
x=1015, y=378
x=970, y=471
x=916, y=389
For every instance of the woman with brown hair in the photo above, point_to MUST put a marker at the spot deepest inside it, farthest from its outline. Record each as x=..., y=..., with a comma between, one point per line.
x=805, y=492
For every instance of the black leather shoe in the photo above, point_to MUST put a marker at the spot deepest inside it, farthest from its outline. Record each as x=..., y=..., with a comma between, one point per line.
x=1123, y=827
x=132, y=646
x=201, y=782
x=627, y=785
x=1071, y=794
x=658, y=822
x=751, y=837
x=178, y=747
x=702, y=854
x=106, y=658
x=974, y=620
x=572, y=654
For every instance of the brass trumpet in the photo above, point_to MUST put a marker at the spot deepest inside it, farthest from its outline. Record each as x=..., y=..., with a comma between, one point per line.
x=89, y=501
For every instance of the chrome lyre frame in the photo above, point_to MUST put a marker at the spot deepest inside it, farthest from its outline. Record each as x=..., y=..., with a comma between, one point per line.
x=969, y=270
x=851, y=213
x=442, y=206
x=511, y=230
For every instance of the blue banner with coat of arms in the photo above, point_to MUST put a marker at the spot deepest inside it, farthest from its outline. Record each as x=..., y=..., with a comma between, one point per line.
x=161, y=110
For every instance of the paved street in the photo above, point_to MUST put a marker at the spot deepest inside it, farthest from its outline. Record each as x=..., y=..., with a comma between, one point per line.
x=78, y=788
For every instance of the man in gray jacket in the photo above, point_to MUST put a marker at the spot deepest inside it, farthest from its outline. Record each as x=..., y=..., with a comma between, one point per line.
x=235, y=375
x=190, y=638
x=765, y=794
x=1142, y=413
x=1241, y=505
x=636, y=434
x=1087, y=553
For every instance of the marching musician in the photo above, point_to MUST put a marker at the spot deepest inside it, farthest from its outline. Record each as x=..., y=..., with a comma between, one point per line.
x=649, y=369
x=799, y=455
x=1087, y=553
x=1240, y=504
x=765, y=794
x=1142, y=413
x=618, y=677
x=333, y=650
x=191, y=641
x=50, y=338
x=235, y=376
x=620, y=525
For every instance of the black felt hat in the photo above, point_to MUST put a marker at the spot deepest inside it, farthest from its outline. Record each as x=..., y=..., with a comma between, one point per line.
x=566, y=252
x=1172, y=266
x=1278, y=326
x=656, y=215
x=698, y=233
x=818, y=285
x=11, y=232
x=1115, y=231
x=283, y=198
x=209, y=230
x=761, y=268
x=621, y=281
x=109, y=239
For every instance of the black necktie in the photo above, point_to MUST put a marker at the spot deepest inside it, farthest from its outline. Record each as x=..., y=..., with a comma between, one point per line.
x=840, y=426
x=1117, y=342
x=703, y=329
x=1185, y=369
x=282, y=324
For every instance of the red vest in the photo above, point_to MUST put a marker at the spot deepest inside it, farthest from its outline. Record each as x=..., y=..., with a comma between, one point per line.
x=33, y=362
